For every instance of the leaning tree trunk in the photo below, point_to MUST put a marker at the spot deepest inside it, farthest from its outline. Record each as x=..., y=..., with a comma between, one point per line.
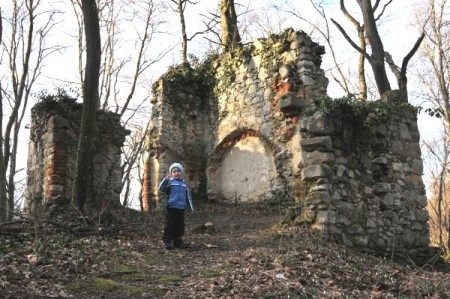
x=377, y=56
x=228, y=24
x=86, y=143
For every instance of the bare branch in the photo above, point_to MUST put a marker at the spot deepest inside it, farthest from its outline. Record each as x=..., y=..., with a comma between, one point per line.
x=348, y=15
x=351, y=42
x=376, y=5
x=394, y=68
x=411, y=53
x=382, y=11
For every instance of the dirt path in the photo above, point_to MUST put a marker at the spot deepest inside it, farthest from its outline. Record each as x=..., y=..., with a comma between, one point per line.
x=150, y=271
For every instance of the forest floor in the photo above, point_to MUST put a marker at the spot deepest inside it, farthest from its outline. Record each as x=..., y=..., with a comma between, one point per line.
x=246, y=254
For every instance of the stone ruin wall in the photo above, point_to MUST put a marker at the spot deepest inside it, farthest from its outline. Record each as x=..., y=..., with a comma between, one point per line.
x=52, y=154
x=365, y=189
x=248, y=137
x=179, y=130
x=234, y=140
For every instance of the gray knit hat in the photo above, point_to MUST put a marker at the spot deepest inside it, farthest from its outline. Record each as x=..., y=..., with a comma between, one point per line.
x=176, y=165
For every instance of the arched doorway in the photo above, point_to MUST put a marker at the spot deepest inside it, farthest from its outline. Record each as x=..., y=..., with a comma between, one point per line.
x=242, y=168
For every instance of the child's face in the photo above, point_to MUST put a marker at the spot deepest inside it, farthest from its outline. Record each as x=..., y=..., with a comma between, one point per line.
x=176, y=173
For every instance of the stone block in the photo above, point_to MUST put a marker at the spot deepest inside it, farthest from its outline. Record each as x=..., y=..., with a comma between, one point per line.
x=387, y=201
x=307, y=80
x=381, y=129
x=381, y=188
x=422, y=215
x=362, y=241
x=340, y=171
x=57, y=122
x=322, y=217
x=57, y=137
x=404, y=132
x=412, y=150
x=415, y=181
x=397, y=166
x=395, y=97
x=319, y=197
x=397, y=147
x=317, y=157
x=317, y=143
x=422, y=200
x=321, y=187
x=380, y=160
x=417, y=166
x=320, y=125
x=313, y=172
x=290, y=105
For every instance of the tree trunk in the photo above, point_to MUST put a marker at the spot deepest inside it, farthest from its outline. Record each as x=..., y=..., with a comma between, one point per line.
x=361, y=65
x=18, y=84
x=228, y=23
x=377, y=57
x=83, y=191
x=183, y=32
x=3, y=199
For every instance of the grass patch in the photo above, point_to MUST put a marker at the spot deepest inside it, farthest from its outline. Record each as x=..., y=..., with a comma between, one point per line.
x=119, y=252
x=107, y=285
x=102, y=257
x=132, y=273
x=138, y=276
x=211, y=273
x=152, y=259
x=168, y=278
x=218, y=270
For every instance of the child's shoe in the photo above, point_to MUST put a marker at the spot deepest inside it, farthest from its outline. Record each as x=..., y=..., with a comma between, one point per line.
x=168, y=245
x=180, y=244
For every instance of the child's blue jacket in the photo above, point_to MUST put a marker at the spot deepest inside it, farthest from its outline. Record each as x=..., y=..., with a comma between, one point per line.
x=178, y=192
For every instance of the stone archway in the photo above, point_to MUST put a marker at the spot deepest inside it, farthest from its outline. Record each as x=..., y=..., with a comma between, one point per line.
x=242, y=168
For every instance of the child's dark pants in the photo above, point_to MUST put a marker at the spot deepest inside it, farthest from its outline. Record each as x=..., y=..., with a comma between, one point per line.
x=174, y=229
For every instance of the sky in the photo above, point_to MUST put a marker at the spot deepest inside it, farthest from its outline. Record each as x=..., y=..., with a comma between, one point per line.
x=61, y=70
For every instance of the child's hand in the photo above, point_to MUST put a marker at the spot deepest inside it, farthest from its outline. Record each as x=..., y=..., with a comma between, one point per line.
x=169, y=176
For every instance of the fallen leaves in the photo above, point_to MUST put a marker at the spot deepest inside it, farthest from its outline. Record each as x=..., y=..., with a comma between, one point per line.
x=247, y=255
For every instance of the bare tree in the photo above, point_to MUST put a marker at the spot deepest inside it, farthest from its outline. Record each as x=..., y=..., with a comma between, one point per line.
x=181, y=6
x=134, y=155
x=434, y=74
x=439, y=204
x=3, y=198
x=86, y=145
x=26, y=50
x=123, y=74
x=363, y=45
x=229, y=25
x=378, y=55
x=435, y=57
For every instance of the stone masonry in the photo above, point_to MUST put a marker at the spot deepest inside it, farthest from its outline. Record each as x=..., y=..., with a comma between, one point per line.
x=365, y=188
x=251, y=130
x=52, y=154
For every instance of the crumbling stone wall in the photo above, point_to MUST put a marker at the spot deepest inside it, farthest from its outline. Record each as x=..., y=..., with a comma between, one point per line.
x=252, y=87
x=364, y=180
x=179, y=130
x=225, y=112
x=52, y=153
x=260, y=134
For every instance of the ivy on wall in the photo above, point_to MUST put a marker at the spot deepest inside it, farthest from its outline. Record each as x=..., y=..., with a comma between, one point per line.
x=364, y=115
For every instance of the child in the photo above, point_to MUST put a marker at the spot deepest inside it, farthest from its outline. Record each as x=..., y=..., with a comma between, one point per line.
x=178, y=198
